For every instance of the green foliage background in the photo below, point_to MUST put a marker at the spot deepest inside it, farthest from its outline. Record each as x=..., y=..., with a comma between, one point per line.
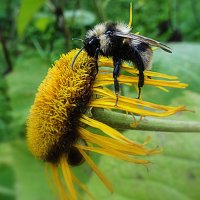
x=35, y=36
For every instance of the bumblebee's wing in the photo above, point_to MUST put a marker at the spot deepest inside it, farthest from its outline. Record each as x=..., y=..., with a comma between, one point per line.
x=137, y=39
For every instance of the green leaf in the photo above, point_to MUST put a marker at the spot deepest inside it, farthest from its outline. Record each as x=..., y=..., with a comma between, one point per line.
x=174, y=174
x=6, y=183
x=183, y=62
x=23, y=83
x=32, y=182
x=7, y=178
x=42, y=21
x=79, y=17
x=27, y=10
x=4, y=110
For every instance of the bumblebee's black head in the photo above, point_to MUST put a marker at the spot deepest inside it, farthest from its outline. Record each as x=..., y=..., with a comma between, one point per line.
x=95, y=39
x=91, y=44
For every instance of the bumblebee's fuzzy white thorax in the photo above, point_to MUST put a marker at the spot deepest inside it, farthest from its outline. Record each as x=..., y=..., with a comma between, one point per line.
x=104, y=43
x=100, y=29
x=121, y=27
x=99, y=32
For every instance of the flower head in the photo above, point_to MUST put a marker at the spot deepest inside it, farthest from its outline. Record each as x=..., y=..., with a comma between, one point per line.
x=57, y=124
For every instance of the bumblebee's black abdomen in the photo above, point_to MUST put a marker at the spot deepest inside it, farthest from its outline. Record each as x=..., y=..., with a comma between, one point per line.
x=129, y=53
x=142, y=47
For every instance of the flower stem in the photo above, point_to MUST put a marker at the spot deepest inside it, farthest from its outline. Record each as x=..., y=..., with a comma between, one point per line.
x=123, y=121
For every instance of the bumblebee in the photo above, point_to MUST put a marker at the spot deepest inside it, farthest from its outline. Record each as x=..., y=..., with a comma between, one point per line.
x=116, y=41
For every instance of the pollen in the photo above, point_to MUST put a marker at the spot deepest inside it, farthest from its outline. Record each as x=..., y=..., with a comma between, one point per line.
x=57, y=124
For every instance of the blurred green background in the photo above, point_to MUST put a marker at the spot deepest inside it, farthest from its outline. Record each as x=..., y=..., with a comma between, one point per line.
x=34, y=33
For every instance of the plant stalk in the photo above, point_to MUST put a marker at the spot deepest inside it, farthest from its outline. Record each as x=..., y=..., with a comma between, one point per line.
x=125, y=121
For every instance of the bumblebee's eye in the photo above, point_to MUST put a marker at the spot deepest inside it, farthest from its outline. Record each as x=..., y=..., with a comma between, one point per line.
x=90, y=42
x=109, y=32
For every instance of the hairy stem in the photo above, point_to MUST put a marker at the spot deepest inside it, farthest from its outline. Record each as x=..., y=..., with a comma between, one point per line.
x=123, y=121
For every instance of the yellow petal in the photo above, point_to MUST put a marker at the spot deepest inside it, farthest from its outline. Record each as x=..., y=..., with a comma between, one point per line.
x=132, y=101
x=58, y=183
x=162, y=88
x=105, y=128
x=68, y=177
x=132, y=69
x=82, y=186
x=110, y=103
x=130, y=16
x=95, y=168
x=109, y=143
x=113, y=153
x=128, y=79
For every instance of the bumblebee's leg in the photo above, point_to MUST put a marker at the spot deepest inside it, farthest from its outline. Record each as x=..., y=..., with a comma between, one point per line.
x=140, y=82
x=96, y=56
x=117, y=64
x=149, y=77
x=140, y=66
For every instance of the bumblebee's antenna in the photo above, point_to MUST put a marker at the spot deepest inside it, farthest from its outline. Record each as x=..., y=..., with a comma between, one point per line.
x=75, y=57
x=130, y=16
x=78, y=39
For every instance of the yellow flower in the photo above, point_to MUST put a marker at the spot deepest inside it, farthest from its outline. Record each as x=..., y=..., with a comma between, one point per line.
x=56, y=126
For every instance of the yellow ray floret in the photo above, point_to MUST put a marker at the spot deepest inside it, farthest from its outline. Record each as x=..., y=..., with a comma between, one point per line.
x=132, y=105
x=107, y=79
x=95, y=169
x=131, y=16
